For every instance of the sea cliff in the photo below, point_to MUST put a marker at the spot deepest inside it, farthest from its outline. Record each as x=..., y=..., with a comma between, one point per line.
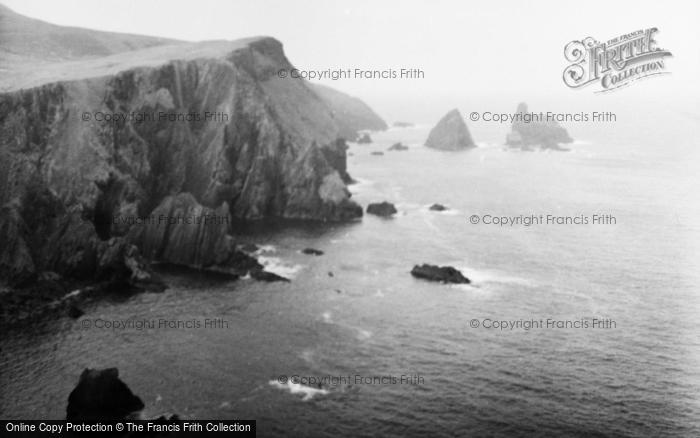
x=89, y=152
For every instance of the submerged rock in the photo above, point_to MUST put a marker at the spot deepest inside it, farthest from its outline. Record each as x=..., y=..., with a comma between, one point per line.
x=398, y=147
x=384, y=209
x=312, y=251
x=536, y=133
x=438, y=207
x=101, y=396
x=443, y=274
x=450, y=133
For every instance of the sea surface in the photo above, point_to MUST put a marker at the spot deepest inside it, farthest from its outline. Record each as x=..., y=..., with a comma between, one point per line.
x=357, y=311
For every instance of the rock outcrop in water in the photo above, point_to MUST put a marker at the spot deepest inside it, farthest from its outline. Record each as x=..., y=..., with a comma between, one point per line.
x=197, y=128
x=398, y=147
x=438, y=207
x=450, y=133
x=364, y=139
x=101, y=396
x=312, y=251
x=384, y=209
x=443, y=274
x=536, y=133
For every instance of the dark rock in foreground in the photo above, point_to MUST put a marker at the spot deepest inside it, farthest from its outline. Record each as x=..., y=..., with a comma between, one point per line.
x=450, y=133
x=398, y=147
x=536, y=133
x=75, y=312
x=384, y=209
x=311, y=251
x=101, y=396
x=438, y=207
x=443, y=274
x=364, y=139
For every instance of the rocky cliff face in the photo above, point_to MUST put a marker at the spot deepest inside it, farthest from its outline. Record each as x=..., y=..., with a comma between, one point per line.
x=450, y=133
x=212, y=120
x=536, y=133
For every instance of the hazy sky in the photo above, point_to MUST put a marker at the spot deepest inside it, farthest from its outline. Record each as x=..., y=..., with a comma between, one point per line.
x=468, y=51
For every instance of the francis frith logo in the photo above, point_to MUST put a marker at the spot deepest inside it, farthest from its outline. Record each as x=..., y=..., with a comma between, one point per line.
x=615, y=63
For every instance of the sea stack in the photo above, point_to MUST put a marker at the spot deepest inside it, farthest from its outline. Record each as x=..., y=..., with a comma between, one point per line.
x=529, y=131
x=450, y=134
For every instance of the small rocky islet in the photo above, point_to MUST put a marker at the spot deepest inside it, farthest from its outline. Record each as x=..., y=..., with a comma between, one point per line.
x=382, y=209
x=528, y=135
x=442, y=274
x=450, y=133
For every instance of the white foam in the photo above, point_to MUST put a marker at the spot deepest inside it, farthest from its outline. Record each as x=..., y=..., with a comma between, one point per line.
x=486, y=145
x=277, y=266
x=363, y=334
x=360, y=184
x=483, y=276
x=297, y=388
x=403, y=206
x=74, y=293
x=464, y=287
x=307, y=356
x=266, y=249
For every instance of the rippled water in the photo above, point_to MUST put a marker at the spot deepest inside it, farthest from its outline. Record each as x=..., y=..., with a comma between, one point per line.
x=356, y=310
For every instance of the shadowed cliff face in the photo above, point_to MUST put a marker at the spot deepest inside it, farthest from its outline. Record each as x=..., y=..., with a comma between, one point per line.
x=273, y=149
x=262, y=157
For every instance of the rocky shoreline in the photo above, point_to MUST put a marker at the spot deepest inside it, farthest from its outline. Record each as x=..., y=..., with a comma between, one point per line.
x=90, y=205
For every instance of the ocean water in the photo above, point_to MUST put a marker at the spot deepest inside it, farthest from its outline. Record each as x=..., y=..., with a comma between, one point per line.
x=356, y=310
